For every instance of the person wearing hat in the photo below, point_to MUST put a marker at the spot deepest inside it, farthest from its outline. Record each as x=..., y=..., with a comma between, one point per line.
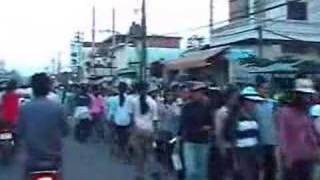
x=195, y=127
x=243, y=133
x=182, y=92
x=267, y=130
x=297, y=138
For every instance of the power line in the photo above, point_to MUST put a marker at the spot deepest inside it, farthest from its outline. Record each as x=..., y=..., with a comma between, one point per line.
x=270, y=31
x=282, y=35
x=236, y=33
x=238, y=17
x=255, y=28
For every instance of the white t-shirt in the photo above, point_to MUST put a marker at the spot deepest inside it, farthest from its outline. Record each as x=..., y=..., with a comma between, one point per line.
x=144, y=121
x=53, y=97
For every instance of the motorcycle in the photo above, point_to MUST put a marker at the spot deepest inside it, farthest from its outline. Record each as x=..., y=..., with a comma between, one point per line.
x=44, y=175
x=82, y=129
x=167, y=148
x=7, y=145
x=46, y=171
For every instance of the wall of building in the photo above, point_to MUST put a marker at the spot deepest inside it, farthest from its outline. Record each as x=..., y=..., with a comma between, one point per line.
x=121, y=60
x=127, y=54
x=281, y=12
x=240, y=7
x=163, y=42
x=277, y=13
x=314, y=11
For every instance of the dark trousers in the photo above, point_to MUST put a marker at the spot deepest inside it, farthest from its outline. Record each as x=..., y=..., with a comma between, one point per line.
x=269, y=167
x=301, y=170
x=247, y=164
x=122, y=138
x=98, y=126
x=82, y=130
x=221, y=166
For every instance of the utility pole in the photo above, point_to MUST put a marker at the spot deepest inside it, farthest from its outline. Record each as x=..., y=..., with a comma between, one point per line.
x=114, y=40
x=93, y=37
x=211, y=21
x=143, y=64
x=260, y=42
x=78, y=45
x=59, y=65
x=53, y=66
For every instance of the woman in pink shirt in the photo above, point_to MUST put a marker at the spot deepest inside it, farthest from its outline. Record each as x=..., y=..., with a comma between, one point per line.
x=298, y=141
x=97, y=110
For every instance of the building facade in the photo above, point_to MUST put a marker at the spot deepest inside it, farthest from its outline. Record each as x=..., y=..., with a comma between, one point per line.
x=125, y=56
x=270, y=29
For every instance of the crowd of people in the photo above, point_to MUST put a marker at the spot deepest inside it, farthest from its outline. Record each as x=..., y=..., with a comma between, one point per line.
x=222, y=132
x=219, y=133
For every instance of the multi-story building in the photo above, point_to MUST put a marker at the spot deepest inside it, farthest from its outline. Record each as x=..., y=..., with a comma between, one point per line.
x=271, y=29
x=123, y=59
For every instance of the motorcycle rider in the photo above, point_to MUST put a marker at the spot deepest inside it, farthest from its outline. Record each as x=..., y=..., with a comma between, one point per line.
x=10, y=105
x=42, y=125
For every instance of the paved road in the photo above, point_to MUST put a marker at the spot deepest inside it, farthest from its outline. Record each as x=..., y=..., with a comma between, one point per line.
x=82, y=162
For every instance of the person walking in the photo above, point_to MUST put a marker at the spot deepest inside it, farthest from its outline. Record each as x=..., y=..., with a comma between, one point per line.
x=243, y=130
x=168, y=126
x=268, y=137
x=121, y=117
x=297, y=138
x=223, y=158
x=145, y=112
x=194, y=131
x=97, y=111
x=315, y=115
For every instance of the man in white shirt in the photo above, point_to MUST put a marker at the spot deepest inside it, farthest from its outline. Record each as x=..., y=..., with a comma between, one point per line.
x=53, y=97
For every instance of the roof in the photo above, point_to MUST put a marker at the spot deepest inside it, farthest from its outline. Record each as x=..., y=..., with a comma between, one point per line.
x=124, y=36
x=153, y=54
x=285, y=30
x=195, y=60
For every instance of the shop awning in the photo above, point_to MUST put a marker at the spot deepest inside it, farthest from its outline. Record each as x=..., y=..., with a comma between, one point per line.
x=195, y=60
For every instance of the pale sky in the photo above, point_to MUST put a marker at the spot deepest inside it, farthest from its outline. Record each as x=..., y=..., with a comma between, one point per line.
x=34, y=31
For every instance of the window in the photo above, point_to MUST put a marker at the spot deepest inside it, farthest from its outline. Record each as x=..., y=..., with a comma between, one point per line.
x=239, y=9
x=297, y=10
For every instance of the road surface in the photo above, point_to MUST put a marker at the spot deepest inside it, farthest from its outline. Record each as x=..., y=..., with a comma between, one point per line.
x=81, y=162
